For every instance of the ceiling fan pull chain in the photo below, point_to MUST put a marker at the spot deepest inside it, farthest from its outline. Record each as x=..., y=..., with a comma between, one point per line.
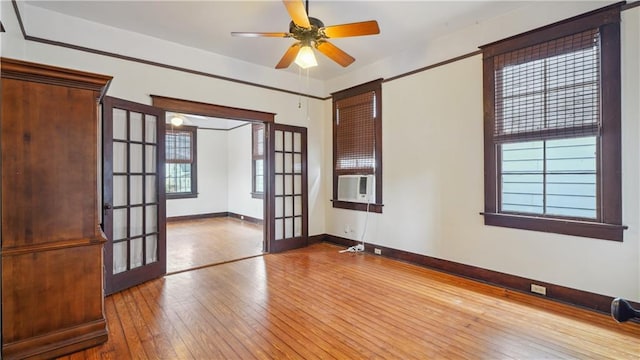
x=300, y=81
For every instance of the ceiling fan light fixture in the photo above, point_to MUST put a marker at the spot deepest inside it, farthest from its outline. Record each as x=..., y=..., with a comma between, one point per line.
x=306, y=58
x=177, y=120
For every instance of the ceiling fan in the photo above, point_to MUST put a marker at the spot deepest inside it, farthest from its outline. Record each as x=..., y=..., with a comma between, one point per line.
x=311, y=32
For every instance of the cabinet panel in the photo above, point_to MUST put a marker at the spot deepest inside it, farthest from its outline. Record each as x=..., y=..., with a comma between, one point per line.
x=48, y=163
x=60, y=284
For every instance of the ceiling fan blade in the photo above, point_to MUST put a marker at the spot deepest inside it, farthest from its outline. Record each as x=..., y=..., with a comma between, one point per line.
x=289, y=56
x=353, y=29
x=261, y=34
x=297, y=12
x=334, y=53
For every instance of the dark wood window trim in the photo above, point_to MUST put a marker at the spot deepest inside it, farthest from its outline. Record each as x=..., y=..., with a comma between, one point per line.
x=257, y=154
x=375, y=86
x=609, y=223
x=193, y=161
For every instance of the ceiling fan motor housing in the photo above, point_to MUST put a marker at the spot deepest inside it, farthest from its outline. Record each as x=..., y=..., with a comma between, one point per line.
x=307, y=35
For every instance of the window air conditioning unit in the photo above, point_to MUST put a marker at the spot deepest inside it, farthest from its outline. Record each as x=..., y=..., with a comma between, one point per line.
x=357, y=188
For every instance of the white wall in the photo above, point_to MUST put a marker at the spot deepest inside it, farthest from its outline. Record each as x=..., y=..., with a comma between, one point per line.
x=433, y=184
x=224, y=176
x=239, y=173
x=212, y=177
x=631, y=107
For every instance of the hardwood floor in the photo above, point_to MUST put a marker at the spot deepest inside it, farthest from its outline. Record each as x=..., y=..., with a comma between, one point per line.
x=315, y=303
x=196, y=243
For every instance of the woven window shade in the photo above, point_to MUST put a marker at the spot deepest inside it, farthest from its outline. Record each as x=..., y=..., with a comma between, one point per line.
x=549, y=90
x=178, y=146
x=257, y=140
x=355, y=136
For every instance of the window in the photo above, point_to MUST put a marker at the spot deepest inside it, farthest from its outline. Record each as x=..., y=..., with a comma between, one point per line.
x=257, y=160
x=180, y=160
x=550, y=177
x=357, y=139
x=552, y=128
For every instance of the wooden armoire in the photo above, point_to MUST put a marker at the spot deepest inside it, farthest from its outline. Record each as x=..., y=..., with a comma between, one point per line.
x=52, y=246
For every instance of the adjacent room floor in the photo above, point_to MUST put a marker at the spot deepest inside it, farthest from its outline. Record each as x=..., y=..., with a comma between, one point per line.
x=201, y=242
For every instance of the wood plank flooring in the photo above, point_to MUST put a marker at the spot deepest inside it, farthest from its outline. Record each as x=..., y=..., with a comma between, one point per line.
x=200, y=242
x=315, y=303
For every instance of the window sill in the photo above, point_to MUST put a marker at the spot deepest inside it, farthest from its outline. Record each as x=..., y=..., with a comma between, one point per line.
x=559, y=226
x=181, y=196
x=256, y=195
x=374, y=208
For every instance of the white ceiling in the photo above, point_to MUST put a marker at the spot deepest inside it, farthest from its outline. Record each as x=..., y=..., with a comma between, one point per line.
x=205, y=122
x=207, y=24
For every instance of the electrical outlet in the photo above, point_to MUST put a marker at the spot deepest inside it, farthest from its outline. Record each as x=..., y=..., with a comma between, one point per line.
x=538, y=289
x=377, y=251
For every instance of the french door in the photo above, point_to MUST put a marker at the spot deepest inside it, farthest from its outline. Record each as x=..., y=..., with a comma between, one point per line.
x=134, y=218
x=288, y=195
